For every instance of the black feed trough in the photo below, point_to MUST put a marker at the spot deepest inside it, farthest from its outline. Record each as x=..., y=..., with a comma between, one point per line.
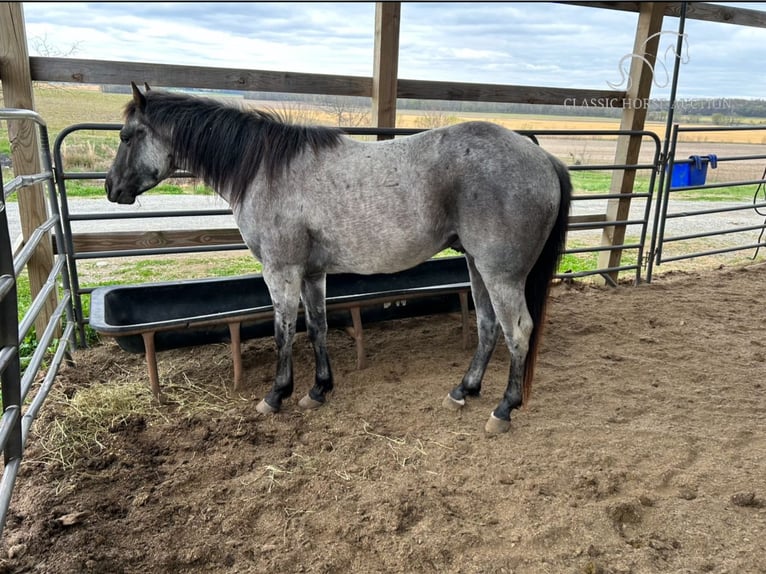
x=196, y=312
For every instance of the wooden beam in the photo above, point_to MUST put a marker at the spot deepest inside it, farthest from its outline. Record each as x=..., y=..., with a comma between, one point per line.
x=633, y=118
x=431, y=90
x=25, y=146
x=125, y=240
x=385, y=65
x=71, y=70
x=695, y=11
x=122, y=73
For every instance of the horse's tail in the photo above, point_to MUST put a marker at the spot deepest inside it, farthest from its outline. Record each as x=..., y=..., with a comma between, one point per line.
x=539, y=278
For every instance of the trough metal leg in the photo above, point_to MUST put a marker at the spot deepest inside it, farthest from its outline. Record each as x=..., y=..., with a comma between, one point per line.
x=236, y=353
x=151, y=363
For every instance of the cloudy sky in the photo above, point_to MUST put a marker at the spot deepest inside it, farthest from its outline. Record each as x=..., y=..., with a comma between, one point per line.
x=542, y=44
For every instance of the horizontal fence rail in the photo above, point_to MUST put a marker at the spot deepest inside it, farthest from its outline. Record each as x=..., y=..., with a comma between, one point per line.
x=670, y=215
x=58, y=335
x=92, y=245
x=82, y=71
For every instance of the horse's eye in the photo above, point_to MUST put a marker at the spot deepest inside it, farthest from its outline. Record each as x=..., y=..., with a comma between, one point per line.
x=125, y=138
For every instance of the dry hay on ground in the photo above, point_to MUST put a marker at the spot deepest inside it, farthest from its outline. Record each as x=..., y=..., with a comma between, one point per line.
x=642, y=451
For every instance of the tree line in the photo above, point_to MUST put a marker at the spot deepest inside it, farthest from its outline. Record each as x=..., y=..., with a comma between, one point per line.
x=720, y=110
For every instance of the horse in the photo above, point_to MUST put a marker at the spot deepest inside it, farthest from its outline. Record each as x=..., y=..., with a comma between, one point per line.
x=309, y=200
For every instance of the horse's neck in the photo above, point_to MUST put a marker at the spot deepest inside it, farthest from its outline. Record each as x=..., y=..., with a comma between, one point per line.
x=199, y=171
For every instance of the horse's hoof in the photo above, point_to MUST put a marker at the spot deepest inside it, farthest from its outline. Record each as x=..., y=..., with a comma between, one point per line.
x=307, y=403
x=453, y=404
x=265, y=408
x=496, y=426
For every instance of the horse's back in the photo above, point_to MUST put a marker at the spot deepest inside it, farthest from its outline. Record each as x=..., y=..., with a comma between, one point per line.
x=481, y=161
x=370, y=207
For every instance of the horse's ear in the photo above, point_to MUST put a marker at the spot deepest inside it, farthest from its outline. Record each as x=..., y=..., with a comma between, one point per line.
x=146, y=87
x=138, y=98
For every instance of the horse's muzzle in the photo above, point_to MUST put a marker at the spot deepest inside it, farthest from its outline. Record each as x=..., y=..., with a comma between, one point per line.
x=117, y=195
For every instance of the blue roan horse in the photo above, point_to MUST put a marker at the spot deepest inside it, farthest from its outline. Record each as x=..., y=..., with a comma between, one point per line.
x=311, y=201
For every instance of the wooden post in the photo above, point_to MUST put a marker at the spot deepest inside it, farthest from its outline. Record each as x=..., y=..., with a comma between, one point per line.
x=633, y=118
x=17, y=93
x=386, y=64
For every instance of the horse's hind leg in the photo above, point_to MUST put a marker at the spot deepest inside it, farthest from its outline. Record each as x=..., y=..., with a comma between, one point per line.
x=284, y=286
x=509, y=302
x=313, y=293
x=488, y=330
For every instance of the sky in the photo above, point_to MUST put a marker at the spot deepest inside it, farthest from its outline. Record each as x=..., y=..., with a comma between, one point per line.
x=535, y=44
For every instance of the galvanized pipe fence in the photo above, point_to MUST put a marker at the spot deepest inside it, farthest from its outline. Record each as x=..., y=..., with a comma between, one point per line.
x=671, y=210
x=69, y=315
x=23, y=396
x=578, y=223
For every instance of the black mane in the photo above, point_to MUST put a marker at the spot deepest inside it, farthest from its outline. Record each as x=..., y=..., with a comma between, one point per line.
x=227, y=146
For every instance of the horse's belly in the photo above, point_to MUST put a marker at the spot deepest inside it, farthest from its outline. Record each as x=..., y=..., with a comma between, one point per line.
x=368, y=255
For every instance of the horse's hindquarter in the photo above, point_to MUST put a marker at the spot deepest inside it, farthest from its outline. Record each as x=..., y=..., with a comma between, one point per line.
x=509, y=195
x=369, y=207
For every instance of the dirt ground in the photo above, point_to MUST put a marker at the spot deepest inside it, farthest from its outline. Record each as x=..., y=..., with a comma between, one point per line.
x=643, y=450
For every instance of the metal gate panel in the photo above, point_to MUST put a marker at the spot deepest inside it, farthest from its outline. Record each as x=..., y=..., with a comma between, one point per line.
x=17, y=383
x=577, y=223
x=749, y=235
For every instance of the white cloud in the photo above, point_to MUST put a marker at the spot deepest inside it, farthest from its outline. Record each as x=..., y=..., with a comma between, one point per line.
x=545, y=44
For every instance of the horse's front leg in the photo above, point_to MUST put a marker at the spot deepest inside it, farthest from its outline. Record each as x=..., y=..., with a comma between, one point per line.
x=285, y=287
x=313, y=293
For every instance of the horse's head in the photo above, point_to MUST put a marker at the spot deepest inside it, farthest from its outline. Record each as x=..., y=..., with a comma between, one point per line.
x=143, y=158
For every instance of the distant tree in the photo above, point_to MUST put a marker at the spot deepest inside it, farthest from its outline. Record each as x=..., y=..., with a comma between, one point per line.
x=347, y=112
x=721, y=119
x=435, y=119
x=42, y=47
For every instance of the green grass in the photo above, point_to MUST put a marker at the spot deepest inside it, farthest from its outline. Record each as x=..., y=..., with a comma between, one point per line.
x=24, y=300
x=598, y=182
x=82, y=189
x=579, y=262
x=733, y=194
x=168, y=269
x=76, y=188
